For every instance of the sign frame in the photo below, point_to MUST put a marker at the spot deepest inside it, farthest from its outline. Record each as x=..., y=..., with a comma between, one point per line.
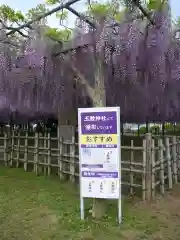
x=105, y=110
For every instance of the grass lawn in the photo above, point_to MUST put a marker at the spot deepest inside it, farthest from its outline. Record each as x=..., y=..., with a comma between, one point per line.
x=37, y=208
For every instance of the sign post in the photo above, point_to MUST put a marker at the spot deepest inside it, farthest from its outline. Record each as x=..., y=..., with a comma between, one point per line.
x=100, y=154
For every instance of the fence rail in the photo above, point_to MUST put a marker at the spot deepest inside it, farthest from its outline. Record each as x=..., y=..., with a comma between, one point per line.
x=148, y=168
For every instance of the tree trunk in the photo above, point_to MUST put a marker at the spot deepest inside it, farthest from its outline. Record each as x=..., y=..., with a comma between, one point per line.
x=98, y=97
x=99, y=208
x=99, y=205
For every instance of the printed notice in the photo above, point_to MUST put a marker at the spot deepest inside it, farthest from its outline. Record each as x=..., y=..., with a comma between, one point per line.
x=99, y=143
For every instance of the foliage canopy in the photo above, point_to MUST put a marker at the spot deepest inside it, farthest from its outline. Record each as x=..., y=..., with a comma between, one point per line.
x=130, y=54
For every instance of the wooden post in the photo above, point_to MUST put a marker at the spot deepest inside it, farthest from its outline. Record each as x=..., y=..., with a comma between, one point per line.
x=144, y=171
x=153, y=180
x=178, y=156
x=5, y=148
x=60, y=153
x=18, y=149
x=72, y=160
x=26, y=151
x=168, y=159
x=148, y=166
x=174, y=156
x=12, y=148
x=161, y=158
x=131, y=168
x=45, y=157
x=36, y=153
x=49, y=153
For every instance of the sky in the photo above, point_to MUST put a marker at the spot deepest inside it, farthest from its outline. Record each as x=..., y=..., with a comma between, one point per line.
x=24, y=5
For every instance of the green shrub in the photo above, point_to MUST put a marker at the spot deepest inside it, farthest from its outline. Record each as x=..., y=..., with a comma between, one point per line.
x=155, y=129
x=142, y=130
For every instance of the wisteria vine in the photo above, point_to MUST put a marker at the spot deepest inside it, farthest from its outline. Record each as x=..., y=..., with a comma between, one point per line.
x=142, y=72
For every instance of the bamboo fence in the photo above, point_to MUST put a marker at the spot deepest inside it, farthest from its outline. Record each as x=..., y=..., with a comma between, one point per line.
x=148, y=168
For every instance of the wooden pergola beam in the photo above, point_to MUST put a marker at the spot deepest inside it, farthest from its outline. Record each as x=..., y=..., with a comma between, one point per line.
x=81, y=16
x=54, y=10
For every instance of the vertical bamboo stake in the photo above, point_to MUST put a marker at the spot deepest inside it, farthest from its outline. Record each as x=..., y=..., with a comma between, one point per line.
x=40, y=158
x=12, y=149
x=72, y=160
x=59, y=157
x=45, y=156
x=5, y=148
x=178, y=156
x=18, y=149
x=168, y=159
x=131, y=168
x=36, y=170
x=174, y=156
x=26, y=151
x=153, y=170
x=144, y=171
x=60, y=153
x=161, y=158
x=49, y=153
x=148, y=165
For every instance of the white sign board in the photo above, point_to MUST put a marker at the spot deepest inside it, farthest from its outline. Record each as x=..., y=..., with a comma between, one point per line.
x=100, y=153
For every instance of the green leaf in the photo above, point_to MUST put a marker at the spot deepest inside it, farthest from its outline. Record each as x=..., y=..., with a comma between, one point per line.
x=63, y=15
x=6, y=12
x=9, y=14
x=59, y=34
x=119, y=16
x=178, y=21
x=52, y=2
x=107, y=9
x=154, y=4
x=19, y=16
x=38, y=10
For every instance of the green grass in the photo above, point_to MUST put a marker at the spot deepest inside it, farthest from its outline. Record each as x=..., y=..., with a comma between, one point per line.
x=40, y=208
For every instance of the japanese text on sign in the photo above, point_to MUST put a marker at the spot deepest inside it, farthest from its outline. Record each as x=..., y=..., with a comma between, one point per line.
x=89, y=127
x=99, y=139
x=97, y=118
x=98, y=123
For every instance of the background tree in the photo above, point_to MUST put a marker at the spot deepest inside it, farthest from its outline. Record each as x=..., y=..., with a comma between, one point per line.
x=132, y=11
x=97, y=12
x=12, y=18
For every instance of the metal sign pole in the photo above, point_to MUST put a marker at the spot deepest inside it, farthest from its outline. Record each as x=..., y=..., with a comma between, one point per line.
x=119, y=152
